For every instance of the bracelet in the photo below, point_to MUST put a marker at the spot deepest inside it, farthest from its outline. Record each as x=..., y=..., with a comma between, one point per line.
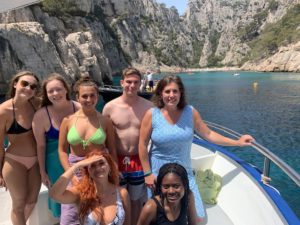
x=148, y=173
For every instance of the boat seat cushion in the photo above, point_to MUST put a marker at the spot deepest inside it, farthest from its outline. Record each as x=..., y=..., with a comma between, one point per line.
x=209, y=185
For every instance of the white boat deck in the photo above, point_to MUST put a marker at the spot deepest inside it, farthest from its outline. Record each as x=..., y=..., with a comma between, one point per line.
x=241, y=200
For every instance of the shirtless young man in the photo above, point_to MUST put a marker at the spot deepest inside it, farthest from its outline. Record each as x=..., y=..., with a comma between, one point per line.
x=126, y=113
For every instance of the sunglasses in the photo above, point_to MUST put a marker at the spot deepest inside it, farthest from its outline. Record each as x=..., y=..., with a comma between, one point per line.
x=25, y=83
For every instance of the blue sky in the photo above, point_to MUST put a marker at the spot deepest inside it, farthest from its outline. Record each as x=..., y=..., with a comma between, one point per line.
x=179, y=4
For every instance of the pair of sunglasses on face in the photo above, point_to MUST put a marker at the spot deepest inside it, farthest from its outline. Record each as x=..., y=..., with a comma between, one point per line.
x=25, y=83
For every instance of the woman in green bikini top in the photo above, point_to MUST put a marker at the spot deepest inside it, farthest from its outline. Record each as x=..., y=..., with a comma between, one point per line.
x=97, y=138
x=87, y=129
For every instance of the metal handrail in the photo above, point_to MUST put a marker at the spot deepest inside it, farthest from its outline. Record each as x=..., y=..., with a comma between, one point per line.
x=269, y=156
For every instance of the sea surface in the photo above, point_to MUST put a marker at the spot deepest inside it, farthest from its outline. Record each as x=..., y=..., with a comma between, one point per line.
x=264, y=105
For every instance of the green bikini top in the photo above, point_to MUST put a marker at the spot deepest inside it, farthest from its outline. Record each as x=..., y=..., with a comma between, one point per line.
x=97, y=138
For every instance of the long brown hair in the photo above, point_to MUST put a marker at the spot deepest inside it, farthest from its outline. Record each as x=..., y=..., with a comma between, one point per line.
x=51, y=77
x=89, y=200
x=166, y=80
x=11, y=89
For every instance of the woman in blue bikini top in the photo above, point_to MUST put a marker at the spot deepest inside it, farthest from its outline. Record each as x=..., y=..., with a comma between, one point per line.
x=56, y=104
x=87, y=129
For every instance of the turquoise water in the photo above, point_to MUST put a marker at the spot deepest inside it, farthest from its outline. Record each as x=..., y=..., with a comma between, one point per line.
x=270, y=113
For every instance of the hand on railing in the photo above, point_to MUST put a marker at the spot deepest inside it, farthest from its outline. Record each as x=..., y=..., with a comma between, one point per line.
x=245, y=140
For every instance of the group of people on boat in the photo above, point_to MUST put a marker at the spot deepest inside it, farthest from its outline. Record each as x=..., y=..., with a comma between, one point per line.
x=97, y=165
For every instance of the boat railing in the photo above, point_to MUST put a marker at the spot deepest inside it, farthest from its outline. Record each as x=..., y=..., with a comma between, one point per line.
x=111, y=87
x=269, y=156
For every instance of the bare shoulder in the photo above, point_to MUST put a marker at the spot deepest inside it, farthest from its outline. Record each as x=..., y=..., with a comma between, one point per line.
x=5, y=107
x=195, y=112
x=40, y=114
x=146, y=103
x=68, y=119
x=148, y=113
x=6, y=113
x=112, y=104
x=77, y=105
x=150, y=207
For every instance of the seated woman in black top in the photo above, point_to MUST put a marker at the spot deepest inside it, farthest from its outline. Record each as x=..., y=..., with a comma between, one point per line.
x=174, y=203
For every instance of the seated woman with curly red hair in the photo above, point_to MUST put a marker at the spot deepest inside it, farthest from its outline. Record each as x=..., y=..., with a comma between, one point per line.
x=100, y=200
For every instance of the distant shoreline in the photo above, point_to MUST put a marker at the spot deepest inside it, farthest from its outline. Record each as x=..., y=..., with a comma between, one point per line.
x=214, y=69
x=164, y=69
x=173, y=69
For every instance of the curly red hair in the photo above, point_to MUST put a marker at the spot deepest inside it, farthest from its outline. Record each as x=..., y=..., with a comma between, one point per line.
x=89, y=201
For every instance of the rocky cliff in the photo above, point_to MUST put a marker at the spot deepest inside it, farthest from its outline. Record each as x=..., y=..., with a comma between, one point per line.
x=100, y=37
x=285, y=59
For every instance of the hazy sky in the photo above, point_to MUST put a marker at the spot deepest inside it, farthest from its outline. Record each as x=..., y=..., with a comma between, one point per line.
x=179, y=4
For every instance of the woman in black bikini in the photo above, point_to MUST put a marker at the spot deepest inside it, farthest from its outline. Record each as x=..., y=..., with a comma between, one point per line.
x=19, y=170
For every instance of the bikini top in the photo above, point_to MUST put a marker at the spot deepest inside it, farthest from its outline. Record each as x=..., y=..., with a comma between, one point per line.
x=53, y=133
x=97, y=138
x=15, y=127
x=118, y=220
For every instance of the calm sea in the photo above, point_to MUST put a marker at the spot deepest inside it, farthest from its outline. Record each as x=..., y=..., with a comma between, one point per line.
x=270, y=112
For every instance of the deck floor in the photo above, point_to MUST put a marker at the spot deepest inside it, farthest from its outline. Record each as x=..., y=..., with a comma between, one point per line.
x=215, y=215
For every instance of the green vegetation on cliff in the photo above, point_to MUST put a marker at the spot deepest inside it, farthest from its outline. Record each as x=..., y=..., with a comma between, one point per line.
x=214, y=60
x=282, y=33
x=59, y=7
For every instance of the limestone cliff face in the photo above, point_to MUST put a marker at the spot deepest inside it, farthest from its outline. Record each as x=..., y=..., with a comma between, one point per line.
x=101, y=37
x=149, y=33
x=286, y=59
x=219, y=24
x=32, y=39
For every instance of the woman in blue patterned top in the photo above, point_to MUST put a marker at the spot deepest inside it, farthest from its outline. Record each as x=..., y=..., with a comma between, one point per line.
x=171, y=125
